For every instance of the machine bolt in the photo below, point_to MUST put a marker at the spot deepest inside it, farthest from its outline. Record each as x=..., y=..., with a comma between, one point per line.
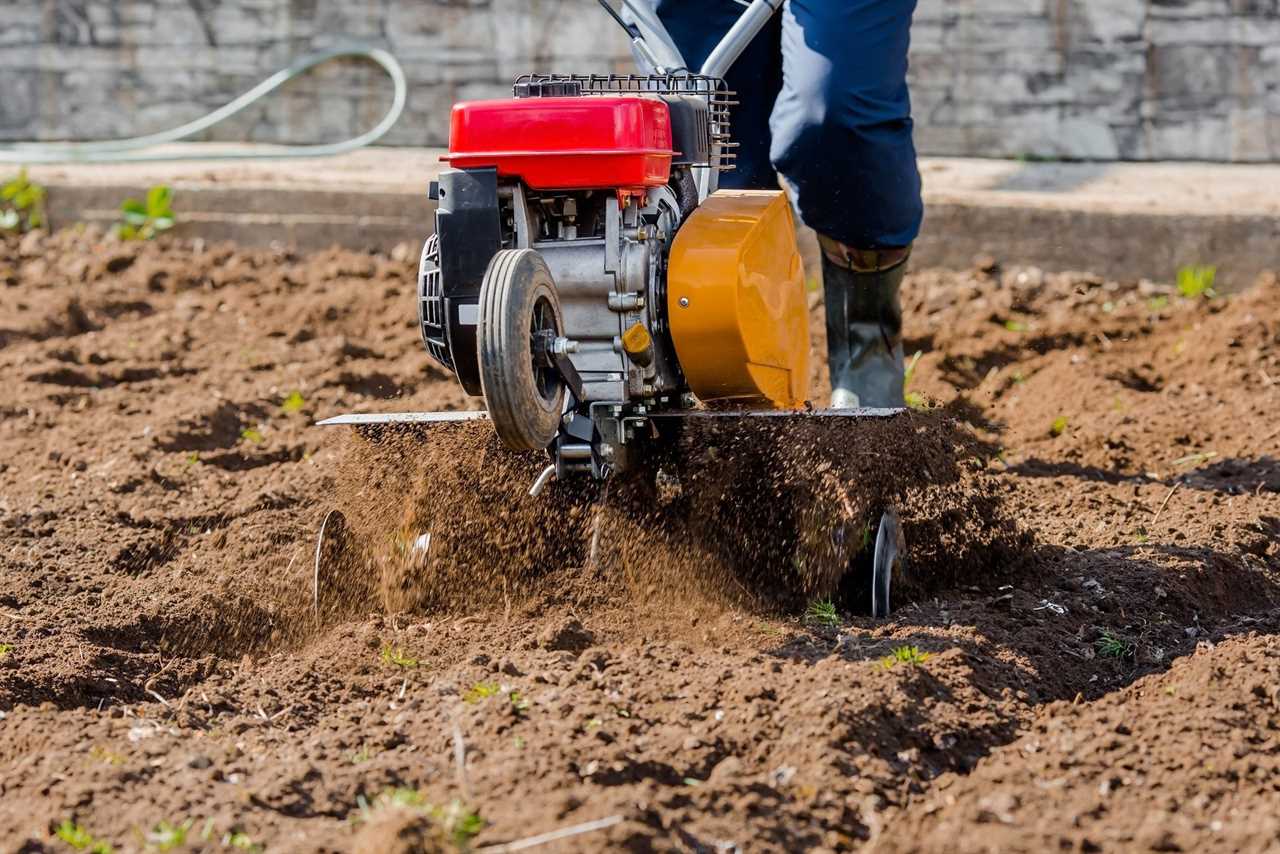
x=684, y=302
x=564, y=346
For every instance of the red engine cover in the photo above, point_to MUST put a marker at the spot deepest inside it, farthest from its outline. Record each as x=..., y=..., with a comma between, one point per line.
x=591, y=142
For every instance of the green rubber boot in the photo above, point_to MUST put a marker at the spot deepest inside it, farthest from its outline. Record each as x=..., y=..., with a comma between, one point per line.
x=864, y=325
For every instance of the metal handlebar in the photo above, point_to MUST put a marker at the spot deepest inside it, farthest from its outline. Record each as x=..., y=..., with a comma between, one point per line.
x=654, y=45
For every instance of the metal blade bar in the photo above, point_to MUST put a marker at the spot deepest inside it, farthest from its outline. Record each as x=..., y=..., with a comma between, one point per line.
x=403, y=418
x=861, y=412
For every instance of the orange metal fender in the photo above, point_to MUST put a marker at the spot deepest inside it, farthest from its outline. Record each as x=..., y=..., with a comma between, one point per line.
x=736, y=301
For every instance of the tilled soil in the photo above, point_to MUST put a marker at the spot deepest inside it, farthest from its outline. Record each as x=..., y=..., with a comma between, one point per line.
x=1094, y=614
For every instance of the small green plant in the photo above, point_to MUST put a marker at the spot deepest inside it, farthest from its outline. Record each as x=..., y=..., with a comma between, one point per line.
x=1196, y=280
x=240, y=841
x=80, y=839
x=518, y=702
x=1158, y=303
x=106, y=755
x=1059, y=426
x=480, y=691
x=397, y=656
x=1015, y=325
x=293, y=403
x=914, y=399
x=166, y=836
x=252, y=434
x=143, y=220
x=908, y=655
x=24, y=208
x=458, y=824
x=1111, y=646
x=822, y=612
x=1195, y=459
x=364, y=754
x=5, y=649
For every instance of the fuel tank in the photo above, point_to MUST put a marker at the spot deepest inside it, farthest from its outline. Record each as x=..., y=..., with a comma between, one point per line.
x=736, y=301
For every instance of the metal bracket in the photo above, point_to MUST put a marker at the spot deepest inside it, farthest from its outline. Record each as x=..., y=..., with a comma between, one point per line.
x=569, y=374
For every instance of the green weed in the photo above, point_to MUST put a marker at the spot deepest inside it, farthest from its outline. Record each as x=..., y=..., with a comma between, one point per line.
x=1059, y=426
x=166, y=837
x=518, y=702
x=5, y=649
x=143, y=220
x=909, y=655
x=24, y=208
x=456, y=822
x=1111, y=646
x=1195, y=459
x=914, y=399
x=364, y=754
x=106, y=755
x=80, y=839
x=480, y=691
x=1158, y=303
x=822, y=612
x=1015, y=325
x=1196, y=281
x=293, y=403
x=252, y=434
x=241, y=841
x=397, y=656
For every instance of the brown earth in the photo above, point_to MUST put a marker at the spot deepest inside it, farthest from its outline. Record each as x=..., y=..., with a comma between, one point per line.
x=1111, y=686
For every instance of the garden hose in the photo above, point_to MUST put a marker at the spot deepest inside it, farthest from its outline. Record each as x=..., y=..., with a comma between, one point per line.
x=128, y=150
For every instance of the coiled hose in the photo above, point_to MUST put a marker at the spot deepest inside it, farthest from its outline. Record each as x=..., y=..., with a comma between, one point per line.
x=128, y=150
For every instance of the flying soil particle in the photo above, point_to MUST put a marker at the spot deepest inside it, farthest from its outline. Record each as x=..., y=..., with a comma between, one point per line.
x=763, y=513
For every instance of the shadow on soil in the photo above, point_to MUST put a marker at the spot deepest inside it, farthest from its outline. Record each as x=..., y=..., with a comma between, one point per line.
x=1054, y=632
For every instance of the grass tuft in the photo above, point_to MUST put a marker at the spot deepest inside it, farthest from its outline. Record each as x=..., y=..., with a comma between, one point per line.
x=1112, y=646
x=914, y=399
x=457, y=823
x=1195, y=280
x=822, y=612
x=480, y=691
x=79, y=838
x=294, y=402
x=166, y=836
x=908, y=655
x=397, y=656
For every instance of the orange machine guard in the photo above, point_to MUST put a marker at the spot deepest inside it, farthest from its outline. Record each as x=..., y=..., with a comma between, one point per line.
x=736, y=301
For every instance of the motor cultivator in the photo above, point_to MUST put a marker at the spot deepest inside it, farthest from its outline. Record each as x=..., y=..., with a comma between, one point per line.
x=590, y=281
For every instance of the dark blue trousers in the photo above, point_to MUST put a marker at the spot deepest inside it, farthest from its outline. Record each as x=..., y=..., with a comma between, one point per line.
x=824, y=102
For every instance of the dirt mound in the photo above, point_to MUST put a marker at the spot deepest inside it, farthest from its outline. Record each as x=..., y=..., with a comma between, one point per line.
x=1176, y=762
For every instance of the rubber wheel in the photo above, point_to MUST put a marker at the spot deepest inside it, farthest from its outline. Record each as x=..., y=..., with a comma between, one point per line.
x=517, y=300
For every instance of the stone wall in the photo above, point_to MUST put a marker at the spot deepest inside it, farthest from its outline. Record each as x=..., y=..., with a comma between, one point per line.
x=1088, y=79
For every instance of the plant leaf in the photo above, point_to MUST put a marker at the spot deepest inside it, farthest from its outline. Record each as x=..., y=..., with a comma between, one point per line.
x=133, y=206
x=158, y=199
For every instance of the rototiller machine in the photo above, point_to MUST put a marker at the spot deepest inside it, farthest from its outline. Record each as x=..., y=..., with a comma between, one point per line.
x=590, y=281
